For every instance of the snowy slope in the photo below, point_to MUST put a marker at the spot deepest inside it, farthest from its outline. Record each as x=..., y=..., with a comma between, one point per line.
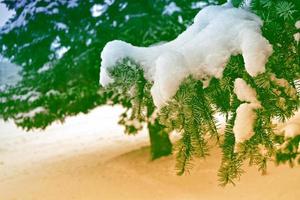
x=20, y=150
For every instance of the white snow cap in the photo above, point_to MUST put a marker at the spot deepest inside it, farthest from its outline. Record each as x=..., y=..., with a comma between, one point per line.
x=202, y=51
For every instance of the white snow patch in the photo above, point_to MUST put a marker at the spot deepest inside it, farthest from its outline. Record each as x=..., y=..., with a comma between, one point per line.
x=200, y=4
x=98, y=9
x=61, y=26
x=45, y=68
x=88, y=42
x=61, y=51
x=245, y=113
x=171, y=8
x=30, y=96
x=55, y=44
x=135, y=123
x=202, y=51
x=244, y=92
x=32, y=113
x=284, y=84
x=5, y=14
x=72, y=3
x=9, y=73
x=52, y=93
x=244, y=121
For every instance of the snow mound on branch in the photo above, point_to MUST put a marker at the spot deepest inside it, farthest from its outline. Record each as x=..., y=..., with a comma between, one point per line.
x=244, y=121
x=245, y=113
x=244, y=92
x=202, y=51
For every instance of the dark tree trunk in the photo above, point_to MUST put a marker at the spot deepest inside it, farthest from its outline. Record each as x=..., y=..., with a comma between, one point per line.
x=159, y=139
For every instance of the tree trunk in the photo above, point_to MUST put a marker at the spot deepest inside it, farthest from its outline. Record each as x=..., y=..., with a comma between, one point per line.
x=159, y=139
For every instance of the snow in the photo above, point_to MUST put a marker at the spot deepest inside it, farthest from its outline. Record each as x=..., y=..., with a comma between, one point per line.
x=202, y=51
x=72, y=3
x=61, y=26
x=52, y=93
x=45, y=68
x=200, y=4
x=284, y=84
x=29, y=96
x=135, y=123
x=9, y=73
x=245, y=113
x=171, y=8
x=244, y=92
x=28, y=11
x=290, y=128
x=88, y=42
x=244, y=121
x=32, y=113
x=98, y=9
x=5, y=14
x=58, y=49
x=61, y=51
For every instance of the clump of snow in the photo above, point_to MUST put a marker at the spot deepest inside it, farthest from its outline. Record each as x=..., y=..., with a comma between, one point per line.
x=58, y=49
x=32, y=113
x=244, y=121
x=244, y=92
x=61, y=26
x=98, y=9
x=88, y=42
x=202, y=51
x=292, y=92
x=30, y=96
x=52, y=93
x=245, y=113
x=290, y=128
x=200, y=4
x=71, y=3
x=45, y=68
x=171, y=8
x=61, y=51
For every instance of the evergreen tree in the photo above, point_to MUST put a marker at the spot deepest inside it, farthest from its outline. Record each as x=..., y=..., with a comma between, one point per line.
x=58, y=42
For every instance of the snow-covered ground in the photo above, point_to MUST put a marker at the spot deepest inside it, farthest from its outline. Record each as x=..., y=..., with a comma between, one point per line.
x=21, y=150
x=89, y=158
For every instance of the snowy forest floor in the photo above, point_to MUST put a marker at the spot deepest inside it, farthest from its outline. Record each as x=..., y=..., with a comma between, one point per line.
x=88, y=157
